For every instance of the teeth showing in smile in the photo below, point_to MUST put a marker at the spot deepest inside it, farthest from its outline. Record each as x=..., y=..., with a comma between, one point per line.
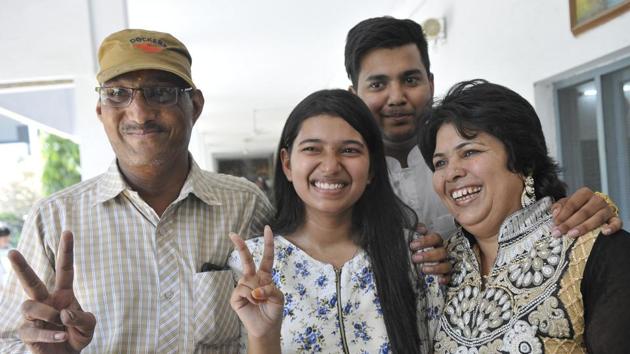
x=464, y=193
x=329, y=186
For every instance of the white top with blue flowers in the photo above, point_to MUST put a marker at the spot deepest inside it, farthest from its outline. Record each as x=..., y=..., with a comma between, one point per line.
x=325, y=307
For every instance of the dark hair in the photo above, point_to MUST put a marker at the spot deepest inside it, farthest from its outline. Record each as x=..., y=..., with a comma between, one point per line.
x=479, y=106
x=4, y=230
x=382, y=32
x=378, y=217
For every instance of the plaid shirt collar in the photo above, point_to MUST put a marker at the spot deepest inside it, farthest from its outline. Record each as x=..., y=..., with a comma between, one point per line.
x=112, y=184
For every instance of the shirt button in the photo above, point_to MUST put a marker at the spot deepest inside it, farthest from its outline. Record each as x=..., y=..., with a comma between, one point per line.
x=168, y=295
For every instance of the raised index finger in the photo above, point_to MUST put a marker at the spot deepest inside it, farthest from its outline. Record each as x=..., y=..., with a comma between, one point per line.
x=31, y=283
x=249, y=268
x=65, y=262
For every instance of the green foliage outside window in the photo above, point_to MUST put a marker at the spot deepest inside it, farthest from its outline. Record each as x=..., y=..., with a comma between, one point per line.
x=62, y=164
x=61, y=170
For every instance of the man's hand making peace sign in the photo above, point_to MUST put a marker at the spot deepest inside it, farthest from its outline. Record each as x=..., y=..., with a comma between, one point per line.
x=53, y=320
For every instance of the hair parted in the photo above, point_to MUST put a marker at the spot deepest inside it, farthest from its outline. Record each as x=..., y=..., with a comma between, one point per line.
x=382, y=32
x=480, y=106
x=378, y=217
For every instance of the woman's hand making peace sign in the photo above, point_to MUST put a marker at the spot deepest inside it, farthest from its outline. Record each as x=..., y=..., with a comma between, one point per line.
x=256, y=300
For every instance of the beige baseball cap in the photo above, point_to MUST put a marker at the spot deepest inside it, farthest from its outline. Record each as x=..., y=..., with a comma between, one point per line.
x=137, y=49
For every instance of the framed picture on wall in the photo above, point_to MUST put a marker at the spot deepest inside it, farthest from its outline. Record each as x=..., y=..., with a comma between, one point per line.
x=586, y=14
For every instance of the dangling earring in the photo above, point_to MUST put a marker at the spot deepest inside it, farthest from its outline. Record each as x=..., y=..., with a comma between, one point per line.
x=529, y=196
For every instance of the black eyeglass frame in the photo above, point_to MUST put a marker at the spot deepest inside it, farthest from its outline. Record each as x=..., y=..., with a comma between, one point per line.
x=150, y=102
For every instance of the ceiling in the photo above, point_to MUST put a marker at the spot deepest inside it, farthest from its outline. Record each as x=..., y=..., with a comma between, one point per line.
x=255, y=60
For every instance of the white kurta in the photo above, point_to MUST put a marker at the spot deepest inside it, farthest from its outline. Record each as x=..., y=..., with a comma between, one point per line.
x=413, y=184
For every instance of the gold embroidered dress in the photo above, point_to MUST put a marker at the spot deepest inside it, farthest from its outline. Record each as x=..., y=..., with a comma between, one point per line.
x=530, y=302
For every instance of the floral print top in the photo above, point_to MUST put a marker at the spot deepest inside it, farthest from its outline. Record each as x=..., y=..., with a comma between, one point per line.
x=323, y=305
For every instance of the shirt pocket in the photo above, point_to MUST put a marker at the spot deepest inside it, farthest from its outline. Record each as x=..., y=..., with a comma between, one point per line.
x=215, y=321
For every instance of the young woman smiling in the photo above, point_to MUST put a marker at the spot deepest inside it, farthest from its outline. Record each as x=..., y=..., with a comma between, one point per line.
x=343, y=261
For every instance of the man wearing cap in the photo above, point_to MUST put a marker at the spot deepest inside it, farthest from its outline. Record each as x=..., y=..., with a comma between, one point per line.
x=148, y=242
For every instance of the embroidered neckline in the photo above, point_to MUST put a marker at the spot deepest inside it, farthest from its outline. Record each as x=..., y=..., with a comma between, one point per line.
x=521, y=230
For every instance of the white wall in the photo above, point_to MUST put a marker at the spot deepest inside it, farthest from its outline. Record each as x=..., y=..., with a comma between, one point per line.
x=517, y=44
x=35, y=34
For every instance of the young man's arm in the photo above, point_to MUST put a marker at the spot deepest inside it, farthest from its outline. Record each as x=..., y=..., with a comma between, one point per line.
x=584, y=211
x=430, y=253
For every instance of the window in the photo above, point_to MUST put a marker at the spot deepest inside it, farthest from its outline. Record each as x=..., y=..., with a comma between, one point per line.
x=594, y=126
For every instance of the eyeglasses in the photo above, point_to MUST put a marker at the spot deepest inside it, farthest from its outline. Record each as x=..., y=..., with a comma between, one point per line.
x=154, y=96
